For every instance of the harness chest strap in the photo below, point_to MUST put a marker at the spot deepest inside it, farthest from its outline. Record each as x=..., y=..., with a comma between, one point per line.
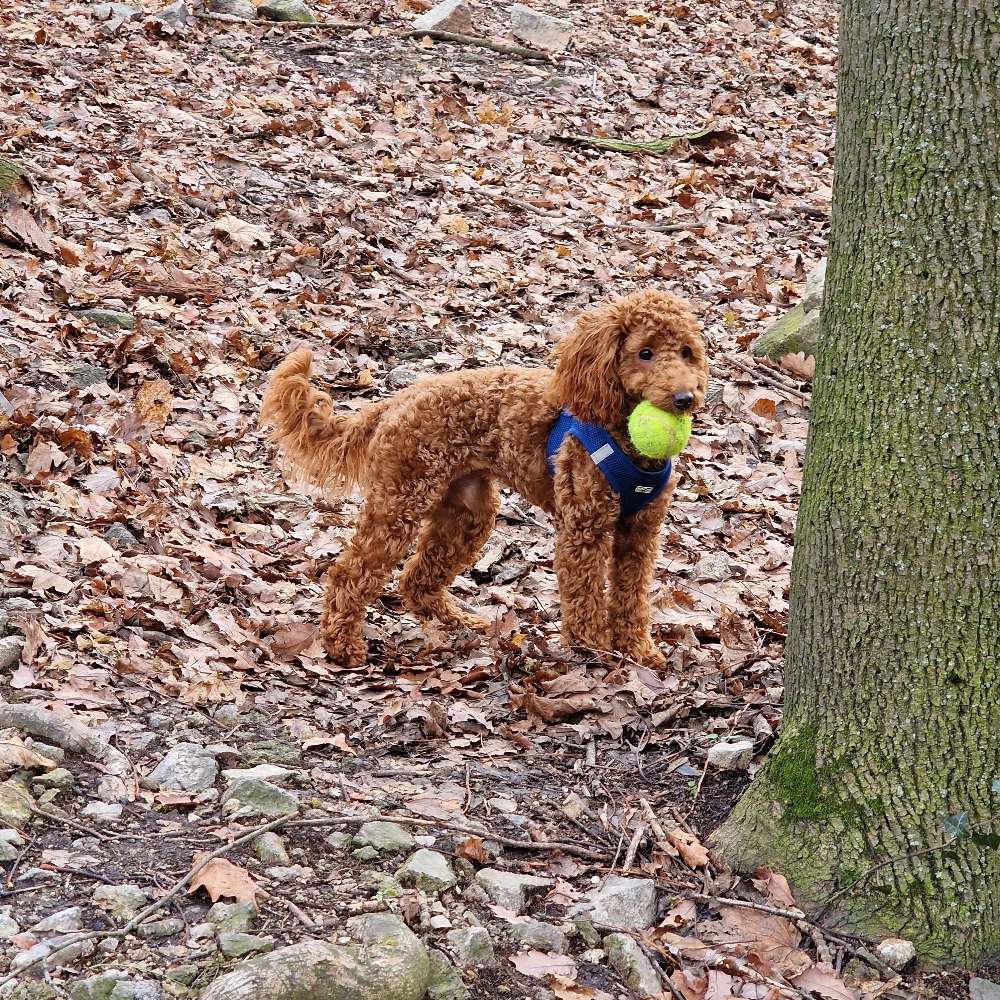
x=635, y=487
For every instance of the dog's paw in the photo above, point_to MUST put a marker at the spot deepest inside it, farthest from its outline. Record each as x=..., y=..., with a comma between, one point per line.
x=349, y=651
x=646, y=653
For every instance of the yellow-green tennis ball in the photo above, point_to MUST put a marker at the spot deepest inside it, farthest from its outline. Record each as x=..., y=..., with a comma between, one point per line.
x=657, y=433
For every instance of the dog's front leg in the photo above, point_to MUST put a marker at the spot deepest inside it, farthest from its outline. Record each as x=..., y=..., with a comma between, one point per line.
x=636, y=542
x=585, y=514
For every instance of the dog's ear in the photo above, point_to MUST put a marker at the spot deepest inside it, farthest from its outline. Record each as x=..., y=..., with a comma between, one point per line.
x=586, y=378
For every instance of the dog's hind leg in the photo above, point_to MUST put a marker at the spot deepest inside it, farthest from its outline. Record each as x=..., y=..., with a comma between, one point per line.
x=449, y=541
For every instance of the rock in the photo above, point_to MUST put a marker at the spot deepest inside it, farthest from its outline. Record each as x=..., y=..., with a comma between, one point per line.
x=15, y=804
x=588, y=932
x=183, y=974
x=507, y=888
x=794, y=332
x=627, y=904
x=9, y=927
x=108, y=318
x=232, y=918
x=57, y=778
x=983, y=989
x=445, y=981
x=384, y=836
x=439, y=922
x=120, y=537
x=57, y=951
x=812, y=295
x=114, y=984
x=732, y=755
x=271, y=752
x=427, y=870
x=259, y=798
x=102, y=813
x=475, y=893
x=366, y=853
x=237, y=945
x=292, y=873
x=10, y=651
x=110, y=17
x=628, y=959
x=339, y=841
x=712, y=567
x=155, y=930
x=83, y=376
x=390, y=963
x=542, y=936
x=62, y=921
x=286, y=10
x=188, y=767
x=10, y=850
x=270, y=848
x=242, y=9
x=157, y=720
x=262, y=772
x=593, y=956
x=540, y=30
x=174, y=16
x=122, y=902
x=448, y=15
x=473, y=947
x=897, y=953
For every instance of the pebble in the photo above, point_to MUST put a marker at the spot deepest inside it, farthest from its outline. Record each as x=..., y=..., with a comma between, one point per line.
x=541, y=30
x=62, y=921
x=259, y=798
x=10, y=651
x=15, y=804
x=427, y=870
x=9, y=927
x=121, y=538
x=540, y=935
x=472, y=947
x=731, y=755
x=622, y=903
x=237, y=945
x=157, y=929
x=57, y=778
x=448, y=15
x=270, y=849
x=627, y=958
x=509, y=889
x=187, y=767
x=286, y=10
x=339, y=841
x=232, y=918
x=383, y=836
x=897, y=953
x=103, y=813
x=120, y=901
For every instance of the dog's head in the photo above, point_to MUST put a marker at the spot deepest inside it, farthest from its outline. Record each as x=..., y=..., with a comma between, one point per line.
x=647, y=345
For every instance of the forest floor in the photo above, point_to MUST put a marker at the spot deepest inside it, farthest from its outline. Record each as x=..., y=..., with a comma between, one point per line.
x=222, y=191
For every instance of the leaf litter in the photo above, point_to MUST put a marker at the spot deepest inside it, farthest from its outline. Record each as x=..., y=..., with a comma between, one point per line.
x=199, y=198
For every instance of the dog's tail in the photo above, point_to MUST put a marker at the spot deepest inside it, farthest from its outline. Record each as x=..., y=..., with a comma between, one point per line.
x=325, y=448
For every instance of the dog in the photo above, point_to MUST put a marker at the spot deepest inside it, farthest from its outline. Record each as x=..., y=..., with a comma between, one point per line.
x=429, y=461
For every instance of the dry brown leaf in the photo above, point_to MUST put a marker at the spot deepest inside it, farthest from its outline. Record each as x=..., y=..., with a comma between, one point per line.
x=799, y=365
x=820, y=981
x=692, y=852
x=565, y=989
x=154, y=403
x=243, y=234
x=221, y=879
x=773, y=939
x=775, y=888
x=540, y=965
x=14, y=755
x=473, y=849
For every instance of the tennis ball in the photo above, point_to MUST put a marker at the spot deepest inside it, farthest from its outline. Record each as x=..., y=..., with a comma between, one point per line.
x=657, y=433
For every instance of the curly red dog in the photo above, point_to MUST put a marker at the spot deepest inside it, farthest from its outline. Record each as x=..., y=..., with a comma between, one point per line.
x=430, y=458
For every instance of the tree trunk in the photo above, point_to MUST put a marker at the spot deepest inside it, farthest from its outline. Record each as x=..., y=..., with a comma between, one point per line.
x=892, y=702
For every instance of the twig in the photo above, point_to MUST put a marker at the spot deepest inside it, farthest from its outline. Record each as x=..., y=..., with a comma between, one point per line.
x=12, y=874
x=66, y=821
x=697, y=792
x=485, y=43
x=156, y=906
x=770, y=380
x=266, y=23
x=633, y=846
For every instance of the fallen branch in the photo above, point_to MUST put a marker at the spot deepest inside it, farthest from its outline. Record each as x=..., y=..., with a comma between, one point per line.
x=486, y=43
x=770, y=380
x=74, y=737
x=154, y=907
x=75, y=825
x=265, y=23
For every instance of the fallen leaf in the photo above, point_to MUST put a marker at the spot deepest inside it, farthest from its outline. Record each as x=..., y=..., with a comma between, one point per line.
x=154, y=403
x=222, y=879
x=14, y=754
x=244, y=234
x=692, y=852
x=473, y=849
x=822, y=982
x=799, y=365
x=540, y=964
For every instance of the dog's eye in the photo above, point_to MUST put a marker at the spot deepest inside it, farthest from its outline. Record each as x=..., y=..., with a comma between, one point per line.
x=646, y=354
x=686, y=353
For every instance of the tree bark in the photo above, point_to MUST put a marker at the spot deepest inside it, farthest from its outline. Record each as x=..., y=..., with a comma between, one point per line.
x=893, y=655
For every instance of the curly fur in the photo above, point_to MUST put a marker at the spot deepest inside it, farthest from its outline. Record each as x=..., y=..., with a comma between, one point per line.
x=429, y=460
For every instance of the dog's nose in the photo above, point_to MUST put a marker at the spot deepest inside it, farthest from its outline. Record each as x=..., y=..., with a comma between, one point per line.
x=683, y=400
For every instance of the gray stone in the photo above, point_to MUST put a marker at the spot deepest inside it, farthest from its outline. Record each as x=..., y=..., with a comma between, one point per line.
x=366, y=853
x=232, y=918
x=15, y=804
x=9, y=927
x=11, y=837
x=114, y=984
x=732, y=755
x=897, y=953
x=389, y=837
x=792, y=333
x=270, y=848
x=235, y=945
x=155, y=930
x=448, y=15
x=625, y=904
x=509, y=889
x=262, y=772
x=62, y=950
x=339, y=841
x=259, y=798
x=157, y=720
x=174, y=16
x=630, y=962
x=713, y=567
x=242, y=9
x=541, y=30
x=446, y=981
x=62, y=922
x=187, y=767
x=83, y=376
x=110, y=17
x=983, y=989
x=812, y=296
x=10, y=651
x=271, y=752
x=587, y=931
x=8, y=852
x=122, y=902
x=473, y=947
x=286, y=10
x=183, y=974
x=109, y=318
x=120, y=537
x=57, y=778
x=542, y=936
x=102, y=813
x=427, y=870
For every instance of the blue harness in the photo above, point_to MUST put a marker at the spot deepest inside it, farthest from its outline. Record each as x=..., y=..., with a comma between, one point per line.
x=634, y=486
